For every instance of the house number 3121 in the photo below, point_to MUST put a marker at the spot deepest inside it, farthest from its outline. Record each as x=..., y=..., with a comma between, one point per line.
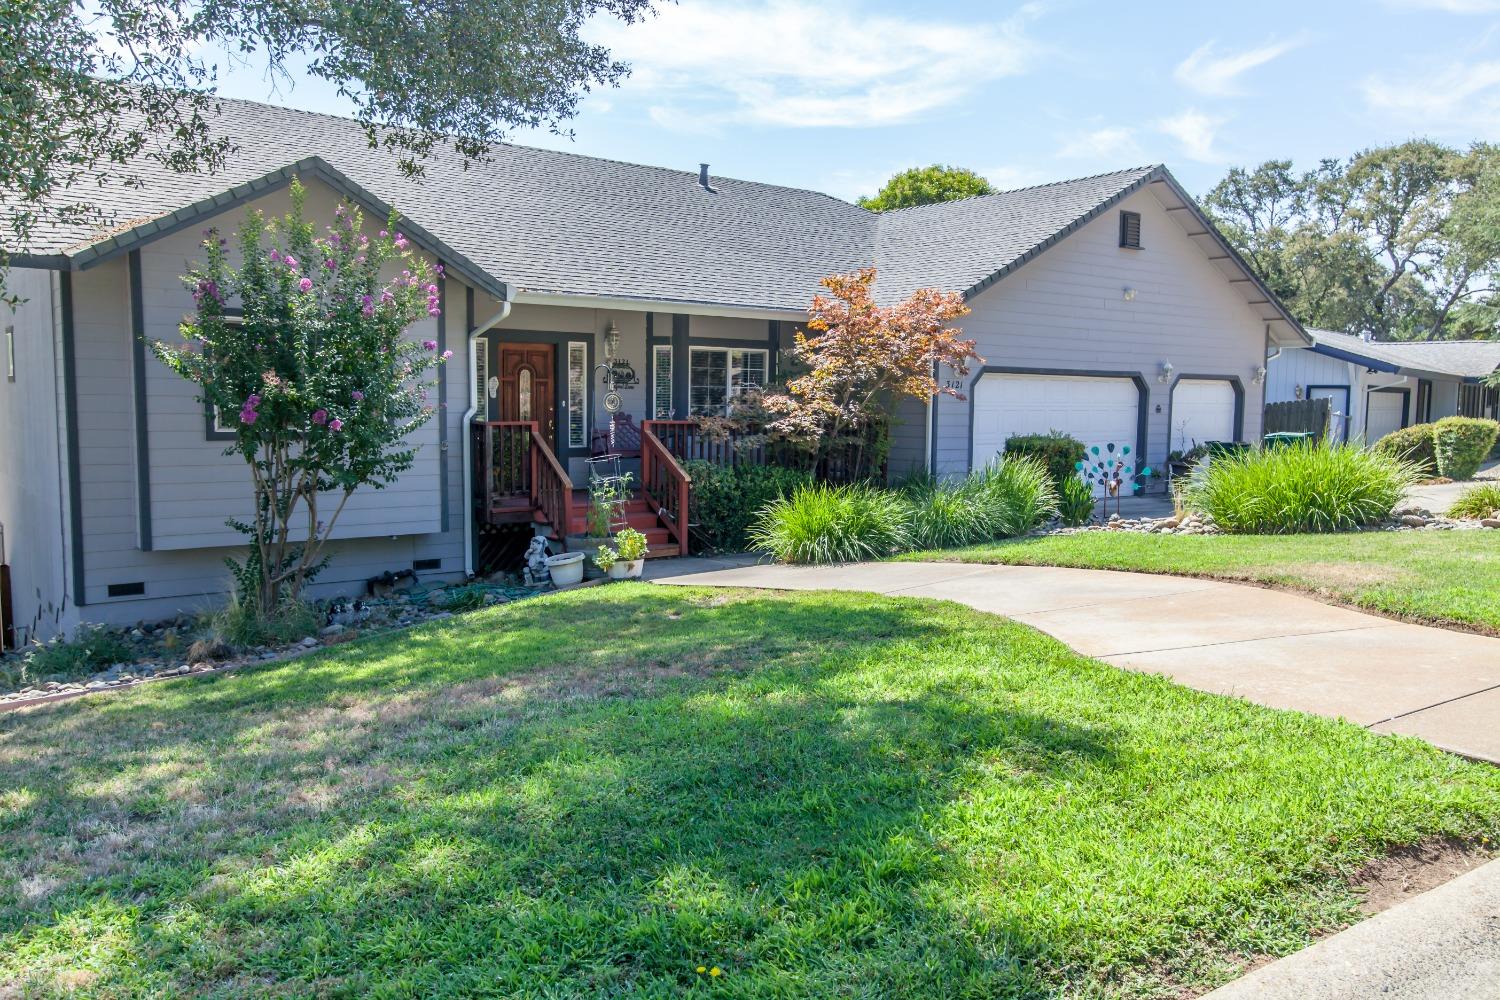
x=953, y=383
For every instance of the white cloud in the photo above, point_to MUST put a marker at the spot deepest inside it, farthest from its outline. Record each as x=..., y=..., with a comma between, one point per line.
x=1461, y=97
x=801, y=63
x=1209, y=72
x=1196, y=132
x=1115, y=142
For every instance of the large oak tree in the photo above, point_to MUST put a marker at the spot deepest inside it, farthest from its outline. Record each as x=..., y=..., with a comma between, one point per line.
x=86, y=88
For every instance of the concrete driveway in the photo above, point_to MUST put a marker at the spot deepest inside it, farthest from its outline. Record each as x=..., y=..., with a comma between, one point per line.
x=1273, y=648
x=1439, y=498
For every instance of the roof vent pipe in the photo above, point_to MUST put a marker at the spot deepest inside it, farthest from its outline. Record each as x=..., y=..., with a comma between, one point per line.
x=703, y=178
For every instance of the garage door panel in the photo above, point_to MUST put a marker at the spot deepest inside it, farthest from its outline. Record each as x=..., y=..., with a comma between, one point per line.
x=1102, y=412
x=1384, y=413
x=1202, y=411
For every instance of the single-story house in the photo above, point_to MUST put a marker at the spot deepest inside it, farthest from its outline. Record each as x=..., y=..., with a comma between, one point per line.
x=1107, y=307
x=1375, y=387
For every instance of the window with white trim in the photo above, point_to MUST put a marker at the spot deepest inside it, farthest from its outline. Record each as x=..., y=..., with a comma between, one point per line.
x=661, y=382
x=219, y=425
x=479, y=352
x=718, y=374
x=578, y=394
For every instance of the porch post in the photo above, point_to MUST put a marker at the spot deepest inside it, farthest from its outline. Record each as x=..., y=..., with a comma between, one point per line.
x=681, y=367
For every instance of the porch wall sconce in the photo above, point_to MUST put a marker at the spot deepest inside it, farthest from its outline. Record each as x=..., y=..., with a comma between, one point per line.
x=1166, y=372
x=1129, y=293
x=611, y=341
x=1260, y=376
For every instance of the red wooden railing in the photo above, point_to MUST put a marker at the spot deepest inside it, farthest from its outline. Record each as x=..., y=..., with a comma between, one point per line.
x=513, y=462
x=665, y=485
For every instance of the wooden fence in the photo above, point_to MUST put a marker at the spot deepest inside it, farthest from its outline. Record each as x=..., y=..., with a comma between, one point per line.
x=1300, y=416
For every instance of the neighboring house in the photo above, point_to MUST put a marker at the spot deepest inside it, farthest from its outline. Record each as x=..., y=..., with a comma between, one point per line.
x=1106, y=307
x=1375, y=387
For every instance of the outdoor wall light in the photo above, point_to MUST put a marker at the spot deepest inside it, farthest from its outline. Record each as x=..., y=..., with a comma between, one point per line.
x=1129, y=294
x=611, y=341
x=1166, y=372
x=1260, y=375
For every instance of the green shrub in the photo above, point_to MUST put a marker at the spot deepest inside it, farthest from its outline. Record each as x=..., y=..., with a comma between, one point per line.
x=1415, y=444
x=945, y=514
x=833, y=524
x=1461, y=445
x=1301, y=488
x=92, y=648
x=1075, y=502
x=1022, y=490
x=1058, y=453
x=1477, y=502
x=727, y=500
x=240, y=623
x=470, y=597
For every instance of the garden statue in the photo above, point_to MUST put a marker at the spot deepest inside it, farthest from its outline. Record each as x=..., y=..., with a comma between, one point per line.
x=536, y=573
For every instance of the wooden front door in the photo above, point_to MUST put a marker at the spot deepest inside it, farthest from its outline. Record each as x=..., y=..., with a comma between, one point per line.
x=527, y=385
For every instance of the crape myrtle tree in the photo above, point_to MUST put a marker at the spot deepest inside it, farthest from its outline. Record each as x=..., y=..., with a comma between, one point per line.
x=316, y=376
x=860, y=360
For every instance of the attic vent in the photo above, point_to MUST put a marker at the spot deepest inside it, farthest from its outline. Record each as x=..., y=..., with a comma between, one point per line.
x=420, y=564
x=1130, y=230
x=703, y=179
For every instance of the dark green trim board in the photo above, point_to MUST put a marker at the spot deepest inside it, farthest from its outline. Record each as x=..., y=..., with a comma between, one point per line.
x=442, y=394
x=681, y=370
x=138, y=391
x=469, y=305
x=1143, y=399
x=230, y=312
x=774, y=339
x=1239, y=401
x=70, y=412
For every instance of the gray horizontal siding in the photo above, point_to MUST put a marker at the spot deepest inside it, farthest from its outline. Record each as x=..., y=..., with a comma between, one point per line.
x=1066, y=310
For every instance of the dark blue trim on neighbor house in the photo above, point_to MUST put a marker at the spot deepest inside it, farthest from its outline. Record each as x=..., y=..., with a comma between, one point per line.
x=681, y=367
x=1356, y=359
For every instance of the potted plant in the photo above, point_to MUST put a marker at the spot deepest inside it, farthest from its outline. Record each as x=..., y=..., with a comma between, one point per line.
x=628, y=560
x=566, y=569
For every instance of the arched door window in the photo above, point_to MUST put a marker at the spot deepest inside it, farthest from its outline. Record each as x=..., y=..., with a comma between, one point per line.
x=523, y=393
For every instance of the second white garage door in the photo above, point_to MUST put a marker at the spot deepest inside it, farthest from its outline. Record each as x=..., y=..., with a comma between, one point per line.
x=1202, y=411
x=1100, y=412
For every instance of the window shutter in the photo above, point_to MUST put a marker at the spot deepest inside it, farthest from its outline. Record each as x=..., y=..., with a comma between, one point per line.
x=661, y=389
x=578, y=363
x=1130, y=230
x=481, y=378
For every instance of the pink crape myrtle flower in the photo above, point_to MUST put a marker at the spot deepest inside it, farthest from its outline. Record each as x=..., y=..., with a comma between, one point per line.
x=320, y=417
x=335, y=424
x=305, y=284
x=430, y=345
x=357, y=396
x=447, y=355
x=290, y=262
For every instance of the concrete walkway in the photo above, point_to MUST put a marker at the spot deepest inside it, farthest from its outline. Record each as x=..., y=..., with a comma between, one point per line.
x=1274, y=648
x=1441, y=945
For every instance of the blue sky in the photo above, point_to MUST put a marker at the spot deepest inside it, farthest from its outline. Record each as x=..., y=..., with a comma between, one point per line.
x=838, y=95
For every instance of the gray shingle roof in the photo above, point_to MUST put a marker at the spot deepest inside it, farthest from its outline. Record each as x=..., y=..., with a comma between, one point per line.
x=1461, y=358
x=554, y=222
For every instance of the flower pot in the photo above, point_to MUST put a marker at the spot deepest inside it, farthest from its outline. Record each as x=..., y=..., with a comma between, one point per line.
x=566, y=569
x=622, y=570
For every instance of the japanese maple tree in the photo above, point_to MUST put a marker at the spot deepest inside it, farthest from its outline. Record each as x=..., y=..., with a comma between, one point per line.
x=861, y=359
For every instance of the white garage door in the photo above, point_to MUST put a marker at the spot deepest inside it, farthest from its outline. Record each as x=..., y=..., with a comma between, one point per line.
x=1100, y=412
x=1383, y=413
x=1202, y=411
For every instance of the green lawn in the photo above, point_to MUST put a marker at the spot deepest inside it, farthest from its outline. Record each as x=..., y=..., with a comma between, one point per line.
x=596, y=793
x=1439, y=577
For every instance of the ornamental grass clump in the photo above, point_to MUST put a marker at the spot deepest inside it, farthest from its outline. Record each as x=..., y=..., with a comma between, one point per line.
x=1301, y=488
x=947, y=514
x=833, y=524
x=1477, y=502
x=1021, y=489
